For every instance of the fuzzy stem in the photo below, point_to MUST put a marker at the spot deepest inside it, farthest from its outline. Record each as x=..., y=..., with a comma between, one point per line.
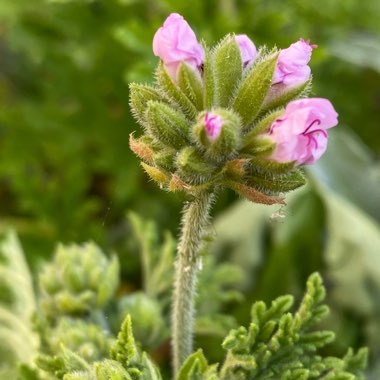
x=194, y=223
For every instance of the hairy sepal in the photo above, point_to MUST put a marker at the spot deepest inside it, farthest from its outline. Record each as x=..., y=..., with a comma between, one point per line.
x=210, y=96
x=193, y=168
x=254, y=88
x=190, y=82
x=280, y=95
x=166, y=124
x=228, y=69
x=174, y=93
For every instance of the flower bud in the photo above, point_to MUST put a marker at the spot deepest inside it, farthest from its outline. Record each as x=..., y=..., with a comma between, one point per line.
x=248, y=49
x=292, y=65
x=300, y=133
x=218, y=133
x=175, y=42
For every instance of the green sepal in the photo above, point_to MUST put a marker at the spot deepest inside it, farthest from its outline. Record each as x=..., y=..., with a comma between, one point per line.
x=193, y=168
x=228, y=69
x=174, y=93
x=165, y=158
x=270, y=184
x=166, y=124
x=280, y=95
x=254, y=88
x=261, y=146
x=194, y=367
x=209, y=80
x=262, y=126
x=139, y=96
x=226, y=143
x=271, y=165
x=190, y=82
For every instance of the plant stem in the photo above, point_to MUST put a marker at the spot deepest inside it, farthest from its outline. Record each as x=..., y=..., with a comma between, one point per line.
x=194, y=223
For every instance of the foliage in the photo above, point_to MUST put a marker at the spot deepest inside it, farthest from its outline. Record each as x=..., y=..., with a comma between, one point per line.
x=80, y=345
x=66, y=173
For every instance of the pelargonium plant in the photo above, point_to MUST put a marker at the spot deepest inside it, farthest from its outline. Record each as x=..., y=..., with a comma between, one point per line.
x=232, y=116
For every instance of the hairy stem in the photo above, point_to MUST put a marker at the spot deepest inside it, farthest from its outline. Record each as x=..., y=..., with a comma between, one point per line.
x=194, y=223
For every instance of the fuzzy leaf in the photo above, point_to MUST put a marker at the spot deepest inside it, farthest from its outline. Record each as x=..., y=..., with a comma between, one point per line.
x=228, y=69
x=190, y=83
x=174, y=93
x=254, y=88
x=167, y=125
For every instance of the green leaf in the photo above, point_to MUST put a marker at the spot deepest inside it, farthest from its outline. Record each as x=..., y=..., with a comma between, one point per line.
x=228, y=69
x=194, y=367
x=254, y=88
x=167, y=125
x=174, y=93
x=190, y=82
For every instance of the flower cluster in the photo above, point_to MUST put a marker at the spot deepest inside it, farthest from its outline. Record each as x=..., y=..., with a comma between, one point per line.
x=231, y=116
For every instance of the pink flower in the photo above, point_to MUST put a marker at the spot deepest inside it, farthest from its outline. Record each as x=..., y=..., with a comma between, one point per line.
x=213, y=125
x=301, y=132
x=292, y=63
x=175, y=42
x=247, y=48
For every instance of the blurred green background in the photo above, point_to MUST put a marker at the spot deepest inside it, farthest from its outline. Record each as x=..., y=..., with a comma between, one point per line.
x=66, y=172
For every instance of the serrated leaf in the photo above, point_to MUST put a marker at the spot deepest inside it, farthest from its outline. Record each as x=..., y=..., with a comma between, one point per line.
x=174, y=93
x=228, y=69
x=194, y=367
x=253, y=89
x=167, y=125
x=190, y=82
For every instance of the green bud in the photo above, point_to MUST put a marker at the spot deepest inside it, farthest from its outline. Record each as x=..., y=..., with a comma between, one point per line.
x=193, y=168
x=174, y=93
x=139, y=96
x=217, y=133
x=165, y=159
x=167, y=125
x=260, y=146
x=228, y=69
x=254, y=89
x=190, y=82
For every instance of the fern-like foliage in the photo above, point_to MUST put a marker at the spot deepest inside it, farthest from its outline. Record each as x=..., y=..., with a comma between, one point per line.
x=281, y=345
x=17, y=303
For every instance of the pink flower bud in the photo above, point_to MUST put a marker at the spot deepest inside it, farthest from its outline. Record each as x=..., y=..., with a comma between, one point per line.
x=247, y=48
x=213, y=125
x=301, y=132
x=175, y=42
x=292, y=63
